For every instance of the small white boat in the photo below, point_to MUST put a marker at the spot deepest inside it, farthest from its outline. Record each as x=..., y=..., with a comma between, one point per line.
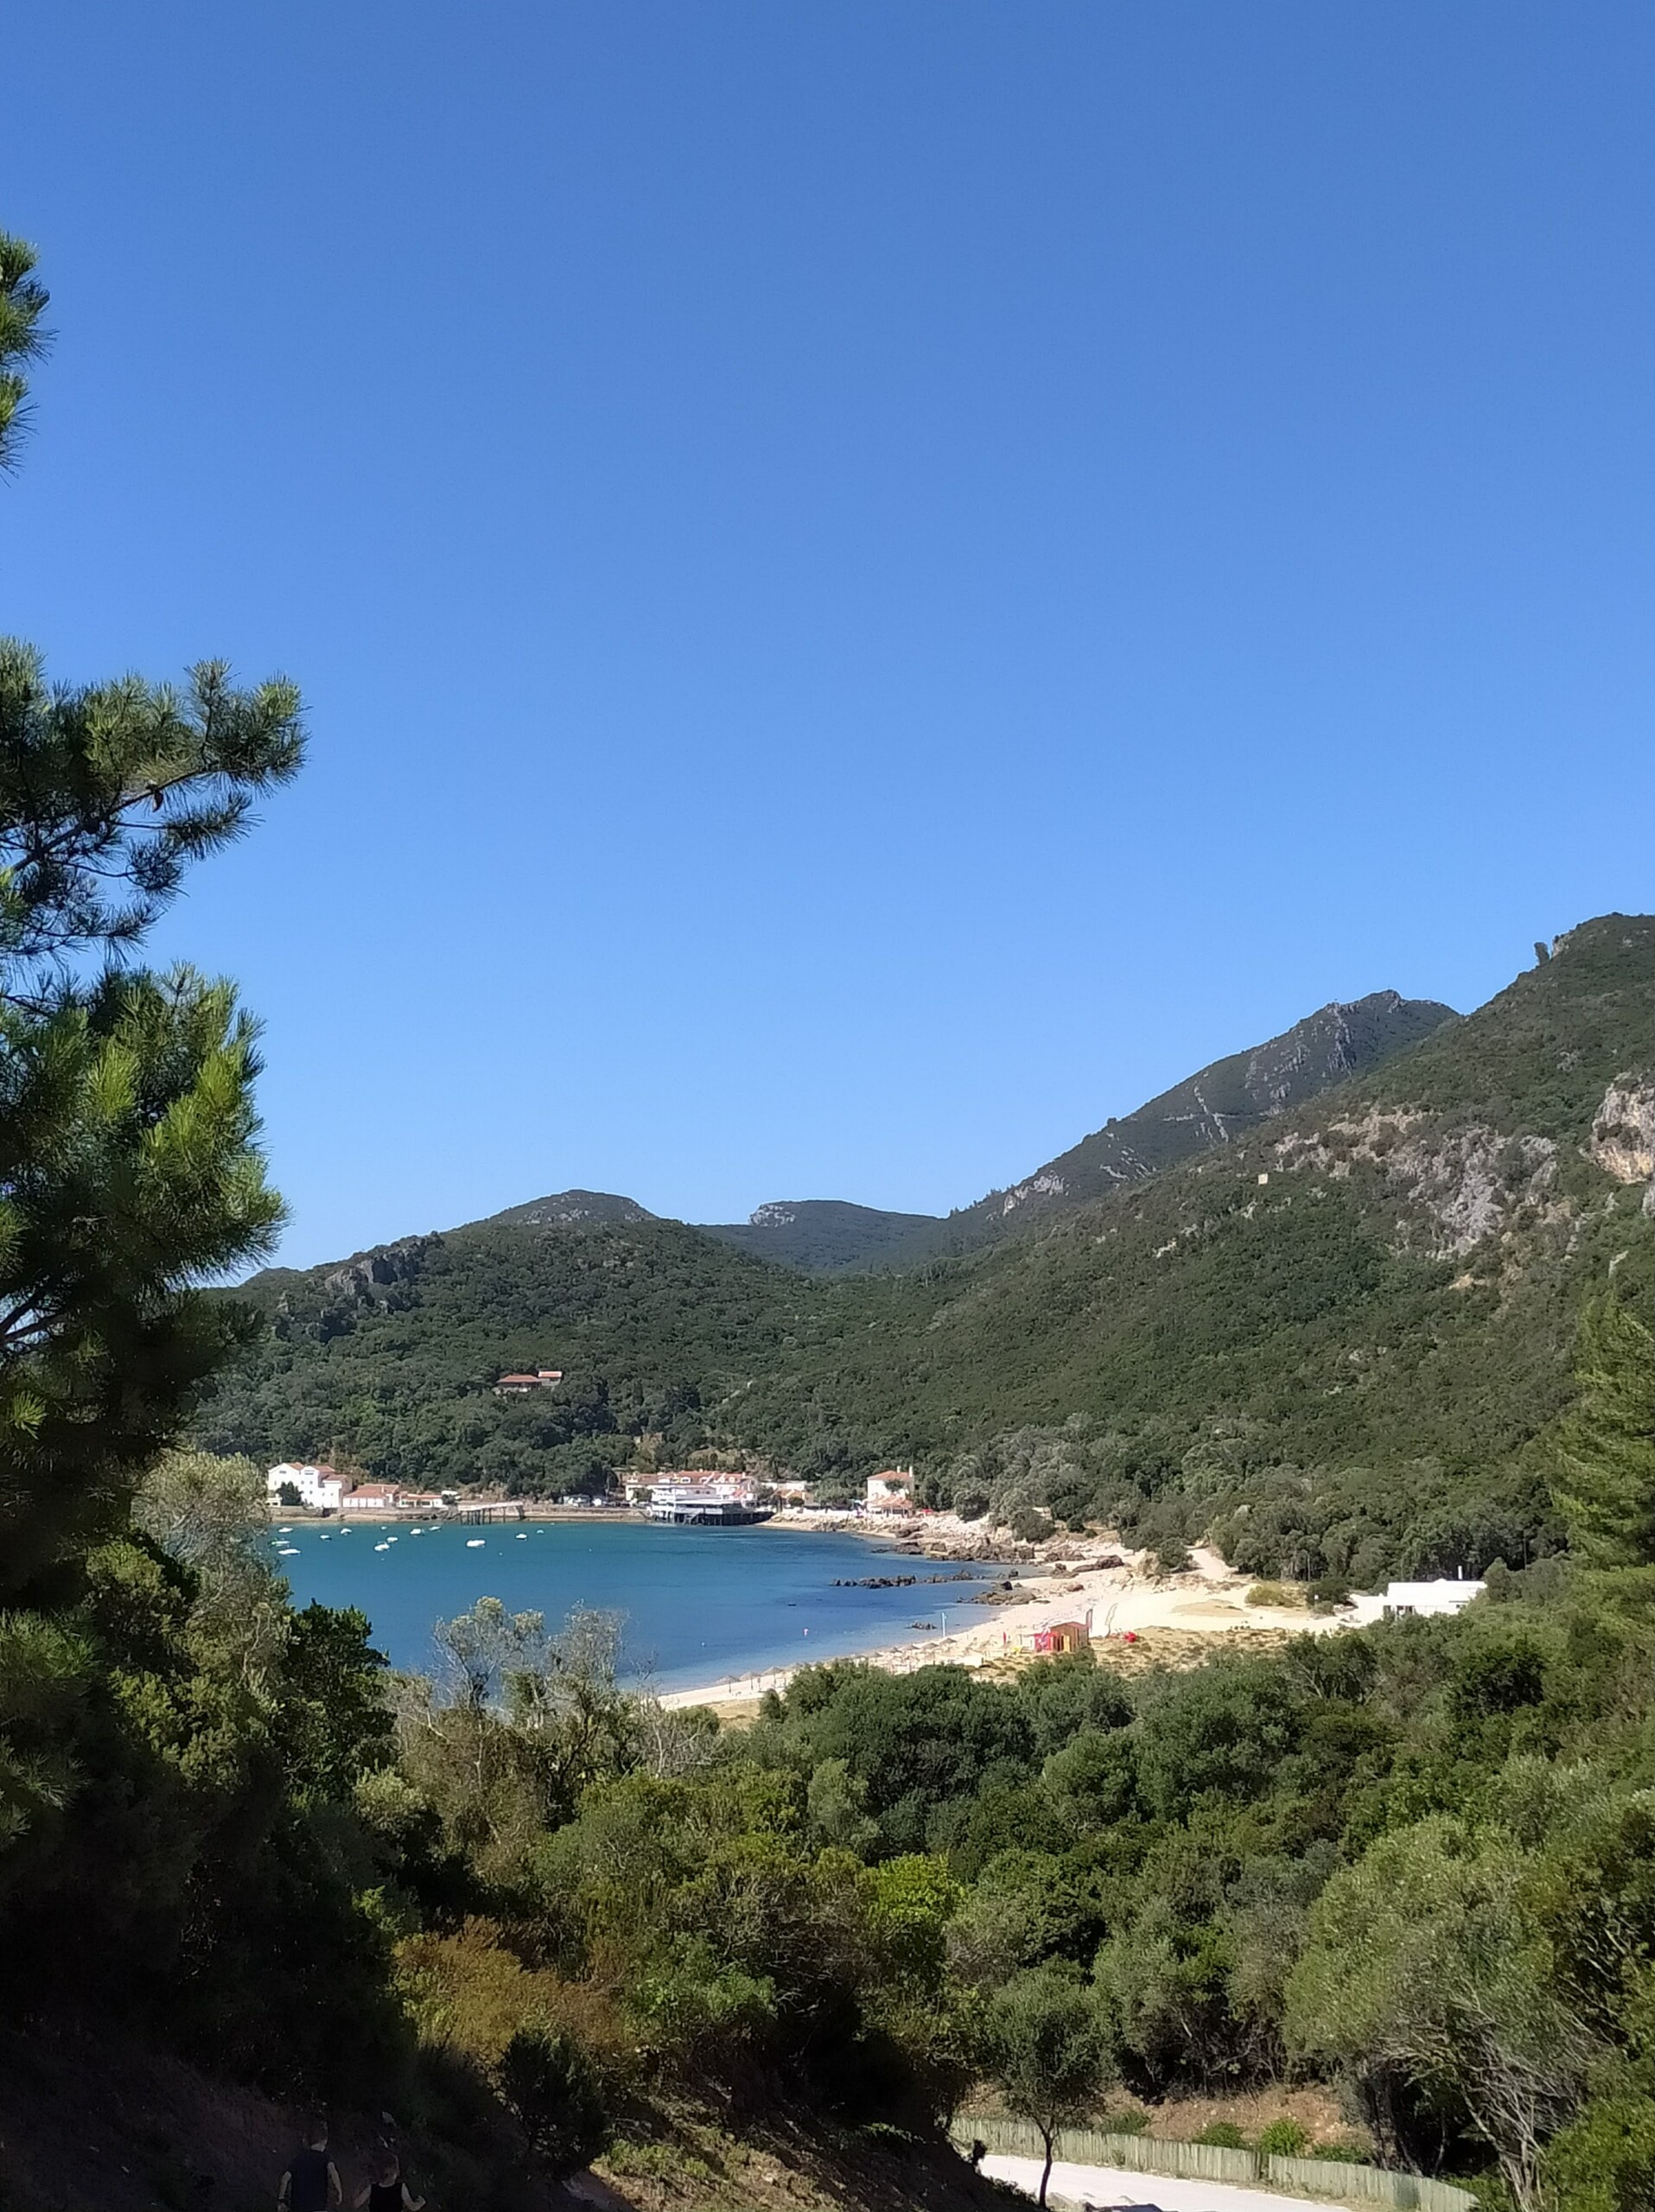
x=287, y=1551
x=474, y=1543
x=523, y=1539
x=382, y=1547
x=285, y=1532
x=391, y=1540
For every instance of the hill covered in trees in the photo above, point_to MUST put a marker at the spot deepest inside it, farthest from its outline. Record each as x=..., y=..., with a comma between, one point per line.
x=1331, y=1341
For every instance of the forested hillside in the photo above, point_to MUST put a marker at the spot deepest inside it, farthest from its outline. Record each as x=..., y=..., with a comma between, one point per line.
x=1340, y=1369
x=823, y=1236
x=388, y=1360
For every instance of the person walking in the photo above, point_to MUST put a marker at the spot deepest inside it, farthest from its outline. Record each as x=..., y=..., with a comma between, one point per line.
x=311, y=2182
x=389, y=2193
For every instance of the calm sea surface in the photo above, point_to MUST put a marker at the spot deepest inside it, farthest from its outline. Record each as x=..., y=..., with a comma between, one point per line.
x=698, y=1603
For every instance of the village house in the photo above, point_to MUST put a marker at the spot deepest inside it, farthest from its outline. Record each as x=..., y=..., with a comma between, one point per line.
x=890, y=1493
x=374, y=1498
x=320, y=1489
x=519, y=1386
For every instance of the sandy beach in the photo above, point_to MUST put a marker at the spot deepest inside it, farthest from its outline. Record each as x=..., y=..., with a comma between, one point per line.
x=1137, y=1617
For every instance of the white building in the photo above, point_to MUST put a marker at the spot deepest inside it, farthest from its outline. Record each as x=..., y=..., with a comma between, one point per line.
x=319, y=1488
x=730, y=1500
x=1430, y=1596
x=1416, y=1599
x=889, y=1492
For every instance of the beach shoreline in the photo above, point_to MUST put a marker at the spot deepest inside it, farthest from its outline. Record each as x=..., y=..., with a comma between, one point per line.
x=1135, y=1620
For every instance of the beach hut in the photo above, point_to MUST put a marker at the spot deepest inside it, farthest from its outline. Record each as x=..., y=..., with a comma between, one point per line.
x=1060, y=1636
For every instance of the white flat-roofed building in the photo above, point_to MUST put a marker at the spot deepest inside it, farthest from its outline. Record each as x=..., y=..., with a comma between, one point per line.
x=1415, y=1600
x=1443, y=1596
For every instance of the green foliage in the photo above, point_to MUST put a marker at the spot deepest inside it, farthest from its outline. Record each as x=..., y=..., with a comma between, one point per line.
x=109, y=792
x=1223, y=1730
x=1225, y=2134
x=1424, y=1963
x=22, y=302
x=554, y=2088
x=1047, y=2049
x=1282, y=2139
x=1604, y=1448
x=126, y=1127
x=1604, y=2160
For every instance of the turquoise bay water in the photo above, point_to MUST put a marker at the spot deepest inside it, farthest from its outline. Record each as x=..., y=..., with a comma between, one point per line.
x=699, y=1602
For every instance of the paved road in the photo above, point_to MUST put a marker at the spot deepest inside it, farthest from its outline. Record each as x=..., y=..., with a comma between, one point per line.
x=1110, y=2185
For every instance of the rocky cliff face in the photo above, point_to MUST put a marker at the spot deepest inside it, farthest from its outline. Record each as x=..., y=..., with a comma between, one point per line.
x=1458, y=1185
x=1224, y=1102
x=1622, y=1142
x=370, y=1273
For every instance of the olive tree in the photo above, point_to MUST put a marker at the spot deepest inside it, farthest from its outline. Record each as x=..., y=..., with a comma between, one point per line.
x=1048, y=2051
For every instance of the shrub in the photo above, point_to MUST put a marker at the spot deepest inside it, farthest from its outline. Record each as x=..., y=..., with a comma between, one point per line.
x=1275, y=1593
x=553, y=2086
x=1225, y=2135
x=1604, y=2160
x=1282, y=2139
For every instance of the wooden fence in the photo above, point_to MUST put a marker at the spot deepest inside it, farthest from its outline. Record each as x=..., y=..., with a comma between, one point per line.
x=1147, y=2154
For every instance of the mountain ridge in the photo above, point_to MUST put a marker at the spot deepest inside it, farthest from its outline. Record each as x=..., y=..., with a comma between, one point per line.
x=1337, y=1042
x=823, y=1236
x=1334, y=1342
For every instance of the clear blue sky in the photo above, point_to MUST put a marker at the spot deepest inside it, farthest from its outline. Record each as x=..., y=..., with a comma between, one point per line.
x=875, y=580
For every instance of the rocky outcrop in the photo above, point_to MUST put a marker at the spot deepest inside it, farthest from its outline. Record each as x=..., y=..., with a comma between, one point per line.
x=370, y=1273
x=1622, y=1142
x=1046, y=1186
x=1222, y=1104
x=1466, y=1183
